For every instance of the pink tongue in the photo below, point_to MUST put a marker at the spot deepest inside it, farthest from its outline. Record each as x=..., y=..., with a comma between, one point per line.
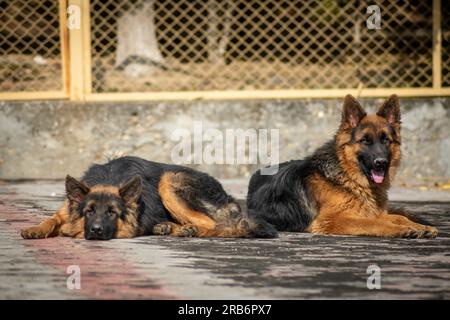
x=377, y=176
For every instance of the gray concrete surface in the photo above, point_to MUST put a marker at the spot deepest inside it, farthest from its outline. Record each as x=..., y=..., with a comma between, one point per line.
x=293, y=266
x=49, y=139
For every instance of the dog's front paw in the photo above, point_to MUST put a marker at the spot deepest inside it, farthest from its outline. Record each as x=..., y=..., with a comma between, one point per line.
x=416, y=233
x=430, y=232
x=162, y=229
x=34, y=233
x=187, y=231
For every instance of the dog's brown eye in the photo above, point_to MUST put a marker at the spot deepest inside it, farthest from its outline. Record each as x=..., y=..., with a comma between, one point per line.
x=110, y=213
x=89, y=213
x=384, y=139
x=366, y=140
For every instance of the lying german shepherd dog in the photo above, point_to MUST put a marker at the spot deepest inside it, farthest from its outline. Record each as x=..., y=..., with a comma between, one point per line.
x=342, y=188
x=129, y=197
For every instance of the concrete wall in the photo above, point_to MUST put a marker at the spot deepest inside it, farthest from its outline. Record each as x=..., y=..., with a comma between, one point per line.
x=45, y=139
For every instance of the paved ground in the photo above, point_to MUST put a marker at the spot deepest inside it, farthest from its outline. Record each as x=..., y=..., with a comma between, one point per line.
x=289, y=267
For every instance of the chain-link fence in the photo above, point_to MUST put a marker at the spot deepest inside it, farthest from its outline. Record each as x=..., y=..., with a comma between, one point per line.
x=30, y=46
x=152, y=45
x=445, y=14
x=157, y=46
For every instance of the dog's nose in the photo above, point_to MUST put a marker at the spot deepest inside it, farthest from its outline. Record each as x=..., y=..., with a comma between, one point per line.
x=380, y=162
x=97, y=228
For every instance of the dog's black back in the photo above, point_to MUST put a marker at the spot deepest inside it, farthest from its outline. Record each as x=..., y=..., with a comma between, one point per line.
x=283, y=199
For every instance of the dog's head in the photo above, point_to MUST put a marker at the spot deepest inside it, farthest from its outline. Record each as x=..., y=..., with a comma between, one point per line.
x=103, y=208
x=370, y=143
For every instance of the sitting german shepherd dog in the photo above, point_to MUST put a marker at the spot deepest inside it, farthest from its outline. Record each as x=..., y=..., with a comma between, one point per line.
x=342, y=188
x=129, y=197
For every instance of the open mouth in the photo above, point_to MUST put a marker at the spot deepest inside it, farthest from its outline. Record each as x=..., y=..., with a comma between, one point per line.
x=377, y=175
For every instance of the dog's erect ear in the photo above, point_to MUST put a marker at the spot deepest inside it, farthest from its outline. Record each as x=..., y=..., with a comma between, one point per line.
x=390, y=110
x=352, y=112
x=131, y=190
x=75, y=190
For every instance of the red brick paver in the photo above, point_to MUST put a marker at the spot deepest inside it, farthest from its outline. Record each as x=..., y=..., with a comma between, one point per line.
x=106, y=273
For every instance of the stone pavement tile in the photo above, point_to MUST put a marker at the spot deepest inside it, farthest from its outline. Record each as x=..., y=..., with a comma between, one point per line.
x=38, y=268
x=292, y=266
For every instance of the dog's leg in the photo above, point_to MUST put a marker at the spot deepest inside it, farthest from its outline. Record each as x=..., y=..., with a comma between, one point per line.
x=49, y=227
x=431, y=232
x=244, y=227
x=356, y=225
x=173, y=229
x=179, y=195
x=165, y=228
x=241, y=230
x=179, y=209
x=410, y=215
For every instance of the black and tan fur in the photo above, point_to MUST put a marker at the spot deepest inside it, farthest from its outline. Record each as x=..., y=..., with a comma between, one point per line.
x=342, y=188
x=130, y=197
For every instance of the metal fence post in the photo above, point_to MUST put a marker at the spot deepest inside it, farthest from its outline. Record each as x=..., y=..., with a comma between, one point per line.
x=437, y=45
x=80, y=78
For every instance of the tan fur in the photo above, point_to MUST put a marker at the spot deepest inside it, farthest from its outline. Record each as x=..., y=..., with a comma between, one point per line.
x=177, y=208
x=360, y=208
x=188, y=220
x=240, y=230
x=105, y=189
x=65, y=224
x=129, y=227
x=61, y=223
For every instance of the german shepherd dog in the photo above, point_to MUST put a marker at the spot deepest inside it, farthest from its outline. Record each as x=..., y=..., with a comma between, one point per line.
x=129, y=197
x=341, y=188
